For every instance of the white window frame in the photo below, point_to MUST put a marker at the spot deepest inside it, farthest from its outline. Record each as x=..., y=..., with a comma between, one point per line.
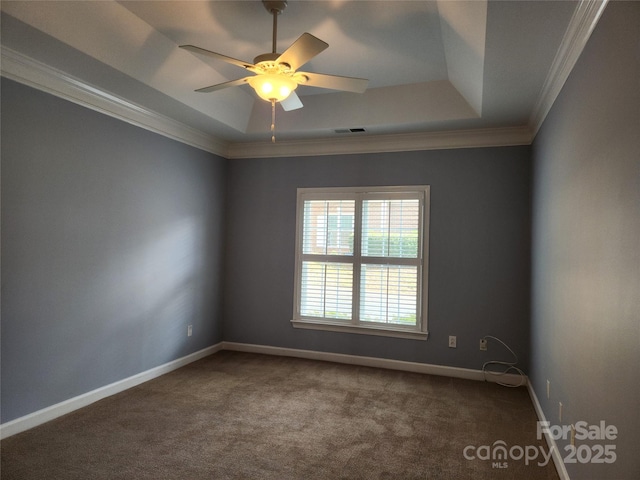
x=354, y=325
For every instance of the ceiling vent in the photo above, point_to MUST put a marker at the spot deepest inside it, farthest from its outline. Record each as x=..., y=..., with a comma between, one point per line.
x=350, y=130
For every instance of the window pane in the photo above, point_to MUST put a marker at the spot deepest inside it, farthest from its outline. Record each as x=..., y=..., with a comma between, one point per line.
x=388, y=294
x=328, y=227
x=390, y=228
x=326, y=290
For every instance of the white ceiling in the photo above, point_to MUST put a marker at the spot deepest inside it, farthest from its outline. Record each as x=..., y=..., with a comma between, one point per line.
x=433, y=66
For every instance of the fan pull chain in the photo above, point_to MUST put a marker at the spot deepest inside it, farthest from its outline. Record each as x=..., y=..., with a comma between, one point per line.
x=273, y=120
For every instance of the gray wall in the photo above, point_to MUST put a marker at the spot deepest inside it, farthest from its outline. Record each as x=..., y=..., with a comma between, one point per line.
x=586, y=244
x=479, y=269
x=111, y=245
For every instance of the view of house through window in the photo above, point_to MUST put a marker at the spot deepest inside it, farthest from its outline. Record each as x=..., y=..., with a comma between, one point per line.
x=361, y=259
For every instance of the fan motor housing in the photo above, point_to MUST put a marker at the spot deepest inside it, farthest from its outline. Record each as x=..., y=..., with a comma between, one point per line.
x=267, y=61
x=275, y=6
x=266, y=57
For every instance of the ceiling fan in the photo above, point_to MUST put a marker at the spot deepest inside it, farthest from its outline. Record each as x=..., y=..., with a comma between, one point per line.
x=275, y=74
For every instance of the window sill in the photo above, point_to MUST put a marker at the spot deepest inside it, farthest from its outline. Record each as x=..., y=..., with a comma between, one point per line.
x=384, y=332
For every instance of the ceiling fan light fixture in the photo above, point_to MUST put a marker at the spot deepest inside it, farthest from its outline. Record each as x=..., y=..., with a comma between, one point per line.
x=273, y=87
x=275, y=73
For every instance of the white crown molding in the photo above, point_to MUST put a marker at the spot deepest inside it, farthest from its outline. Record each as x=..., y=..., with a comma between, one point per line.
x=487, y=137
x=52, y=412
x=33, y=73
x=581, y=25
x=28, y=71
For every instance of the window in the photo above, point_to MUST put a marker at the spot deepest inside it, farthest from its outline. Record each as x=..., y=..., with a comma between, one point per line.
x=361, y=260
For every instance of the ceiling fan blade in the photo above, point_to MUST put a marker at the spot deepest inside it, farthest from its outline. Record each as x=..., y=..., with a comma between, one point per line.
x=302, y=50
x=218, y=56
x=220, y=86
x=292, y=102
x=335, y=82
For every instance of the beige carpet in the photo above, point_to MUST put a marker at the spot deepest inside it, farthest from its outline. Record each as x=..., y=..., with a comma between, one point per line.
x=246, y=416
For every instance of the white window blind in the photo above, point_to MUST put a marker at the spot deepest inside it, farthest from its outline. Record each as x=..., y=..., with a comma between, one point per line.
x=361, y=260
x=326, y=290
x=388, y=294
x=328, y=227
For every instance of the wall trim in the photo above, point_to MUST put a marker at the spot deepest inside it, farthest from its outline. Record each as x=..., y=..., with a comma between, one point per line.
x=483, y=137
x=54, y=411
x=25, y=70
x=551, y=443
x=581, y=25
x=375, y=362
x=31, y=72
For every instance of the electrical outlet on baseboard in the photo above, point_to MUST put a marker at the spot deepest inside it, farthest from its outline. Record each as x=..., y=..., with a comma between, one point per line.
x=189, y=330
x=452, y=341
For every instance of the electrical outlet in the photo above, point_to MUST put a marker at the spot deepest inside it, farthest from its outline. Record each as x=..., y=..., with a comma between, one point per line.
x=483, y=344
x=189, y=330
x=548, y=389
x=452, y=341
x=560, y=412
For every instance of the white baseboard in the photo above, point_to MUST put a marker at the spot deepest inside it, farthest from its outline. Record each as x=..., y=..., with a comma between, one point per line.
x=551, y=443
x=415, y=367
x=54, y=411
